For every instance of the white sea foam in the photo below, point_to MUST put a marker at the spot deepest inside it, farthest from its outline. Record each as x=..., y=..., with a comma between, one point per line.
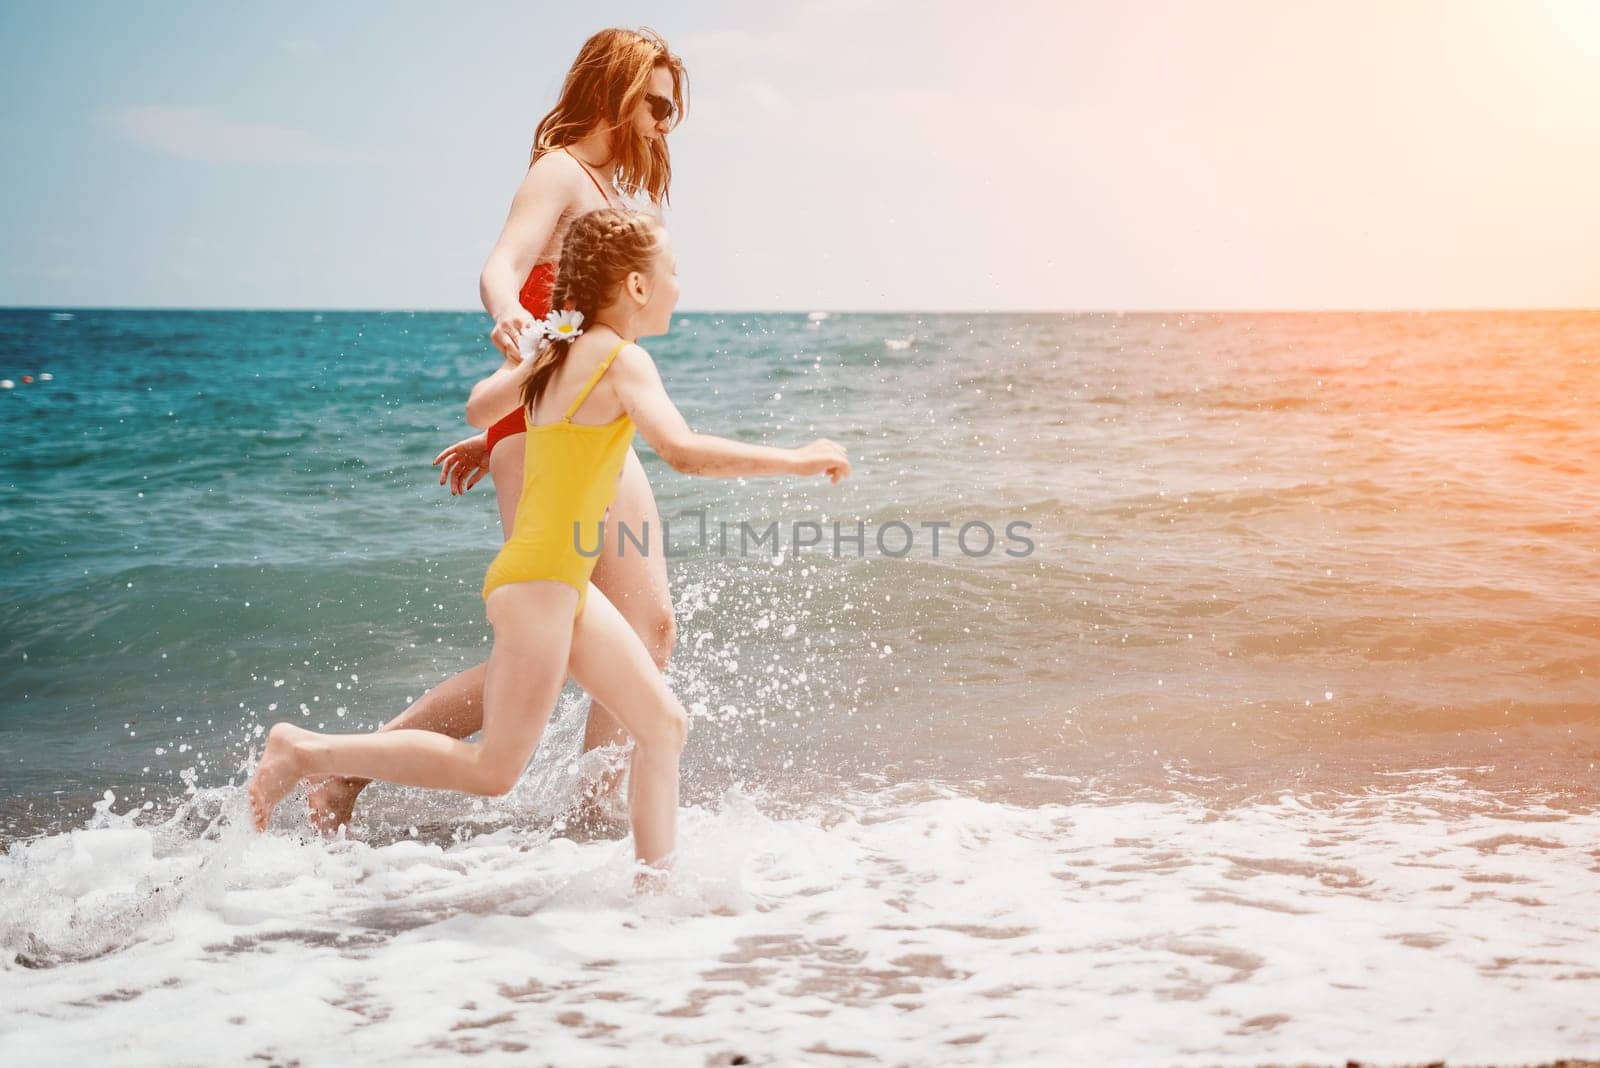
x=911, y=925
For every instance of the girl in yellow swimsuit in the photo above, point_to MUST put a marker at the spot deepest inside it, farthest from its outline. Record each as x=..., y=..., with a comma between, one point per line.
x=616, y=282
x=569, y=480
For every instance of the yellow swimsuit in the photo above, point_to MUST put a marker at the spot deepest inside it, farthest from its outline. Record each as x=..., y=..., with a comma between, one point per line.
x=569, y=481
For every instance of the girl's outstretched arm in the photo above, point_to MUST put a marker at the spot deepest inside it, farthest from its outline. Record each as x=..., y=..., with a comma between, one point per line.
x=638, y=387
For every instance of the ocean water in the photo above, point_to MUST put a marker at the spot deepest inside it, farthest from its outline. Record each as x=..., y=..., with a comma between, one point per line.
x=1273, y=739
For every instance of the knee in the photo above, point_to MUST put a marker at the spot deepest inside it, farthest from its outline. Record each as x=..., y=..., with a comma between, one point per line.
x=495, y=778
x=668, y=732
x=662, y=636
x=656, y=628
x=677, y=728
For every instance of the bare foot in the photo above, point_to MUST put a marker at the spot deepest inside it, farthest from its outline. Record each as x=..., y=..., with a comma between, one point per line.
x=648, y=879
x=586, y=821
x=602, y=801
x=588, y=818
x=332, y=800
x=277, y=773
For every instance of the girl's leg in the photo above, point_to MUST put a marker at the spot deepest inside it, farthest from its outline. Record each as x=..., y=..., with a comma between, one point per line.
x=532, y=640
x=455, y=706
x=610, y=661
x=635, y=583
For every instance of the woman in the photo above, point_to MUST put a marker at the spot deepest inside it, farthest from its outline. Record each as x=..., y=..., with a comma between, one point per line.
x=605, y=138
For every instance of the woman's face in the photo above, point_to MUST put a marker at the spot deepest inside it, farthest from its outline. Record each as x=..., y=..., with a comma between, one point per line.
x=655, y=316
x=645, y=123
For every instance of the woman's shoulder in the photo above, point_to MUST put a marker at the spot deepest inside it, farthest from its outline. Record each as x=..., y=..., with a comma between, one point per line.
x=557, y=168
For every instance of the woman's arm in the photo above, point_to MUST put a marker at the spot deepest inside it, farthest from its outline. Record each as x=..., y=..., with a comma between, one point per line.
x=638, y=387
x=498, y=394
x=544, y=194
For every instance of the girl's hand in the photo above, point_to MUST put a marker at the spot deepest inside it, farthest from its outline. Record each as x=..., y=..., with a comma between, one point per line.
x=507, y=333
x=465, y=461
x=823, y=457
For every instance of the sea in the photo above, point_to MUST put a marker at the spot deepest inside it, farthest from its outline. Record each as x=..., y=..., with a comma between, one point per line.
x=1161, y=689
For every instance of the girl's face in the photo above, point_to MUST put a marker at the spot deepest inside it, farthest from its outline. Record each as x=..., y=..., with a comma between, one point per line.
x=660, y=292
x=658, y=97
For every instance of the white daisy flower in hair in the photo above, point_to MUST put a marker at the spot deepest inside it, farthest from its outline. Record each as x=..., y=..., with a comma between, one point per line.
x=563, y=325
x=531, y=340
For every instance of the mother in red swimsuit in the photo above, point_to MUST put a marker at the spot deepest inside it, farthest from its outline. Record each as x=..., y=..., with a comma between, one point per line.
x=605, y=138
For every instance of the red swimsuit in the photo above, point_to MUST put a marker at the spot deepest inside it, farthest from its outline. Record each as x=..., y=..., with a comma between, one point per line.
x=535, y=297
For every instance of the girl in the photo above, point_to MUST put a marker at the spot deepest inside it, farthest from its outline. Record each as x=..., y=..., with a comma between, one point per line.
x=582, y=399
x=607, y=132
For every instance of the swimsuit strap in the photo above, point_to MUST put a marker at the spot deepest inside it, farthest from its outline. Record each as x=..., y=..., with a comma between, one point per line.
x=590, y=173
x=583, y=394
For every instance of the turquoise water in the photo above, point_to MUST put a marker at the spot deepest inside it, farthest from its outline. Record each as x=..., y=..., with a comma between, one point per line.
x=1288, y=723
x=1267, y=548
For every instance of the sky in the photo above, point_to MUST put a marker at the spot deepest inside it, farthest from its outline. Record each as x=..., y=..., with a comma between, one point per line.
x=837, y=154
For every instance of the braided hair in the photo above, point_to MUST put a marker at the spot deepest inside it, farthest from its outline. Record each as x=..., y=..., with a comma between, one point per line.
x=600, y=250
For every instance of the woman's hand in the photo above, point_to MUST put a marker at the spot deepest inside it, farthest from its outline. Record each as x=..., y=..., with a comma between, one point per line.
x=507, y=333
x=823, y=457
x=464, y=462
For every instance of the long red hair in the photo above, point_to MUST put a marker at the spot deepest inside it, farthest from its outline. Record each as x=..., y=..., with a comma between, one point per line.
x=605, y=86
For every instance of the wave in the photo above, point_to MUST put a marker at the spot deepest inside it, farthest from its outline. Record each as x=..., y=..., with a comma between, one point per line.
x=906, y=925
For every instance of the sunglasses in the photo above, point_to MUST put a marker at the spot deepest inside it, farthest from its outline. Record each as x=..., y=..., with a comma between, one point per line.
x=661, y=108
